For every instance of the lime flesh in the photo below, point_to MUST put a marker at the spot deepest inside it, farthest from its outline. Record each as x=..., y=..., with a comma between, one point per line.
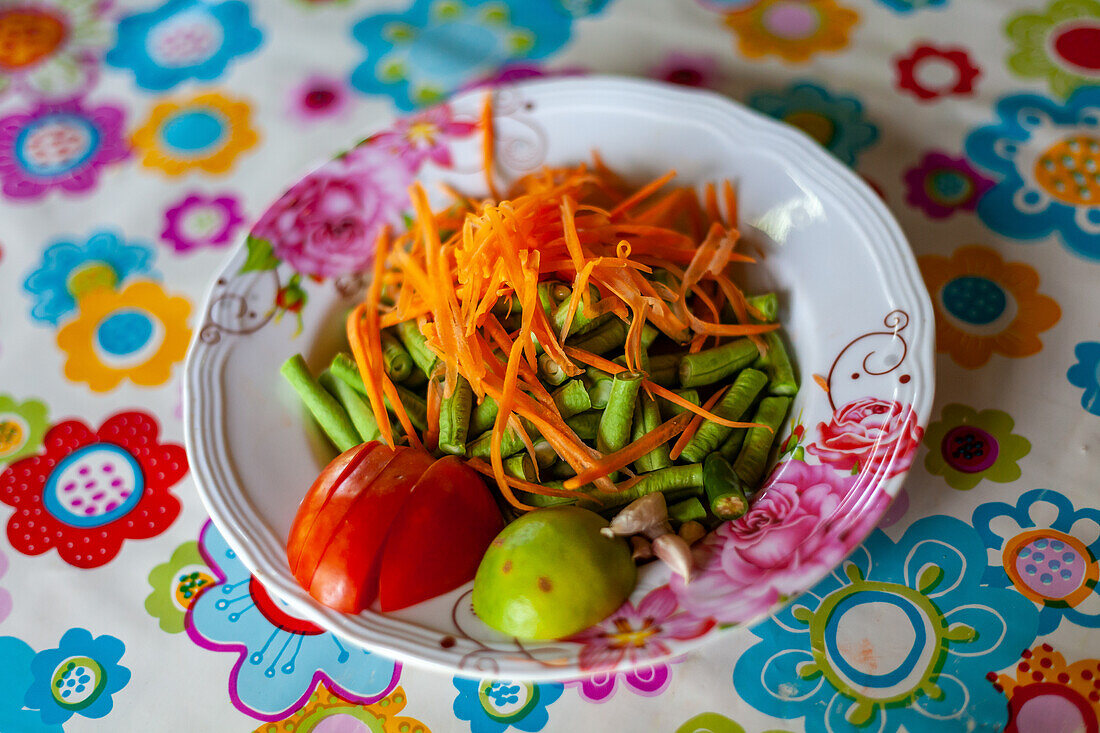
x=551, y=573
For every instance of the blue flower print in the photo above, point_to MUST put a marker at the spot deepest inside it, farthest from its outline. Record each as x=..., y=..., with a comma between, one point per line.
x=1047, y=156
x=281, y=658
x=68, y=270
x=1086, y=374
x=908, y=6
x=900, y=637
x=79, y=676
x=183, y=39
x=1044, y=556
x=835, y=121
x=434, y=47
x=492, y=706
x=15, y=679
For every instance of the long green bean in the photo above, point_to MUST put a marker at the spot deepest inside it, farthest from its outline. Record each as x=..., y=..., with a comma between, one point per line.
x=670, y=409
x=582, y=322
x=416, y=407
x=688, y=510
x=600, y=392
x=737, y=400
x=520, y=466
x=510, y=444
x=671, y=479
x=753, y=457
x=343, y=368
x=732, y=445
x=614, y=430
x=454, y=418
x=585, y=425
x=326, y=410
x=647, y=416
x=713, y=365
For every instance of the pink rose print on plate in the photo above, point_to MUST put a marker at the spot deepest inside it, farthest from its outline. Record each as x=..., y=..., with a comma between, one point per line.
x=795, y=533
x=424, y=136
x=201, y=221
x=877, y=436
x=634, y=635
x=326, y=224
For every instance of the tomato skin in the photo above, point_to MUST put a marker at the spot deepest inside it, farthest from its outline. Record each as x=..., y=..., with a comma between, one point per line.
x=330, y=479
x=328, y=520
x=438, y=538
x=346, y=578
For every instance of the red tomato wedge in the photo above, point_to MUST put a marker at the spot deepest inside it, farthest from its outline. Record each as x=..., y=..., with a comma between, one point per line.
x=438, y=538
x=346, y=578
x=328, y=520
x=331, y=478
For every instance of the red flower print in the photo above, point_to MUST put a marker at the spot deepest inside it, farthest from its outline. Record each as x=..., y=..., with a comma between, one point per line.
x=89, y=491
x=929, y=72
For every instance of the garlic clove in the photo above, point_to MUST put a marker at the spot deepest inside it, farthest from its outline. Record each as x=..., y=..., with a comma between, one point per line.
x=641, y=515
x=674, y=552
x=642, y=549
x=692, y=531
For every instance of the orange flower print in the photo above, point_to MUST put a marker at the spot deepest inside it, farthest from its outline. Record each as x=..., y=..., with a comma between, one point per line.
x=1049, y=694
x=985, y=305
x=793, y=30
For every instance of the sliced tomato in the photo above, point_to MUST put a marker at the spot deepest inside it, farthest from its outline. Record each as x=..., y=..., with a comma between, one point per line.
x=318, y=495
x=438, y=538
x=329, y=519
x=346, y=578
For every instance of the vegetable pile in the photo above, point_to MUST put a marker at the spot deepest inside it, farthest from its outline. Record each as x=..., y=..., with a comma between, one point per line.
x=577, y=341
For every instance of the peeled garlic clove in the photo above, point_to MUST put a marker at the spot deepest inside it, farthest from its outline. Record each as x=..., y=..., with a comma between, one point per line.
x=674, y=552
x=642, y=549
x=641, y=515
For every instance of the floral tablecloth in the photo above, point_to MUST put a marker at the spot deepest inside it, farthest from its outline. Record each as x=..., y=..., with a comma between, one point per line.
x=139, y=139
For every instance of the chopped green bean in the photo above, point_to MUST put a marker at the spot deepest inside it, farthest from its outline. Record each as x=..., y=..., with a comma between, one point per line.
x=483, y=416
x=724, y=491
x=582, y=322
x=647, y=416
x=610, y=334
x=542, y=500
x=673, y=478
x=777, y=364
x=571, y=398
x=545, y=456
x=600, y=392
x=585, y=425
x=510, y=444
x=753, y=458
x=614, y=430
x=358, y=409
x=649, y=335
x=670, y=409
x=520, y=466
x=396, y=361
x=560, y=291
x=550, y=371
x=416, y=407
x=712, y=365
x=665, y=369
x=732, y=445
x=343, y=368
x=326, y=410
x=688, y=510
x=767, y=305
x=734, y=403
x=454, y=418
x=417, y=346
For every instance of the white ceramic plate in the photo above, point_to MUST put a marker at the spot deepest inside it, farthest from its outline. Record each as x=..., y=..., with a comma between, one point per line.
x=853, y=304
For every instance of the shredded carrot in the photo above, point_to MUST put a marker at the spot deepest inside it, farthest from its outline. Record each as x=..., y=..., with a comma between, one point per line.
x=693, y=426
x=468, y=273
x=485, y=469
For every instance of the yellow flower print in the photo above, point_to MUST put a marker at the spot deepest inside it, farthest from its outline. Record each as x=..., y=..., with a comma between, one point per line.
x=137, y=333
x=985, y=305
x=794, y=30
x=207, y=132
